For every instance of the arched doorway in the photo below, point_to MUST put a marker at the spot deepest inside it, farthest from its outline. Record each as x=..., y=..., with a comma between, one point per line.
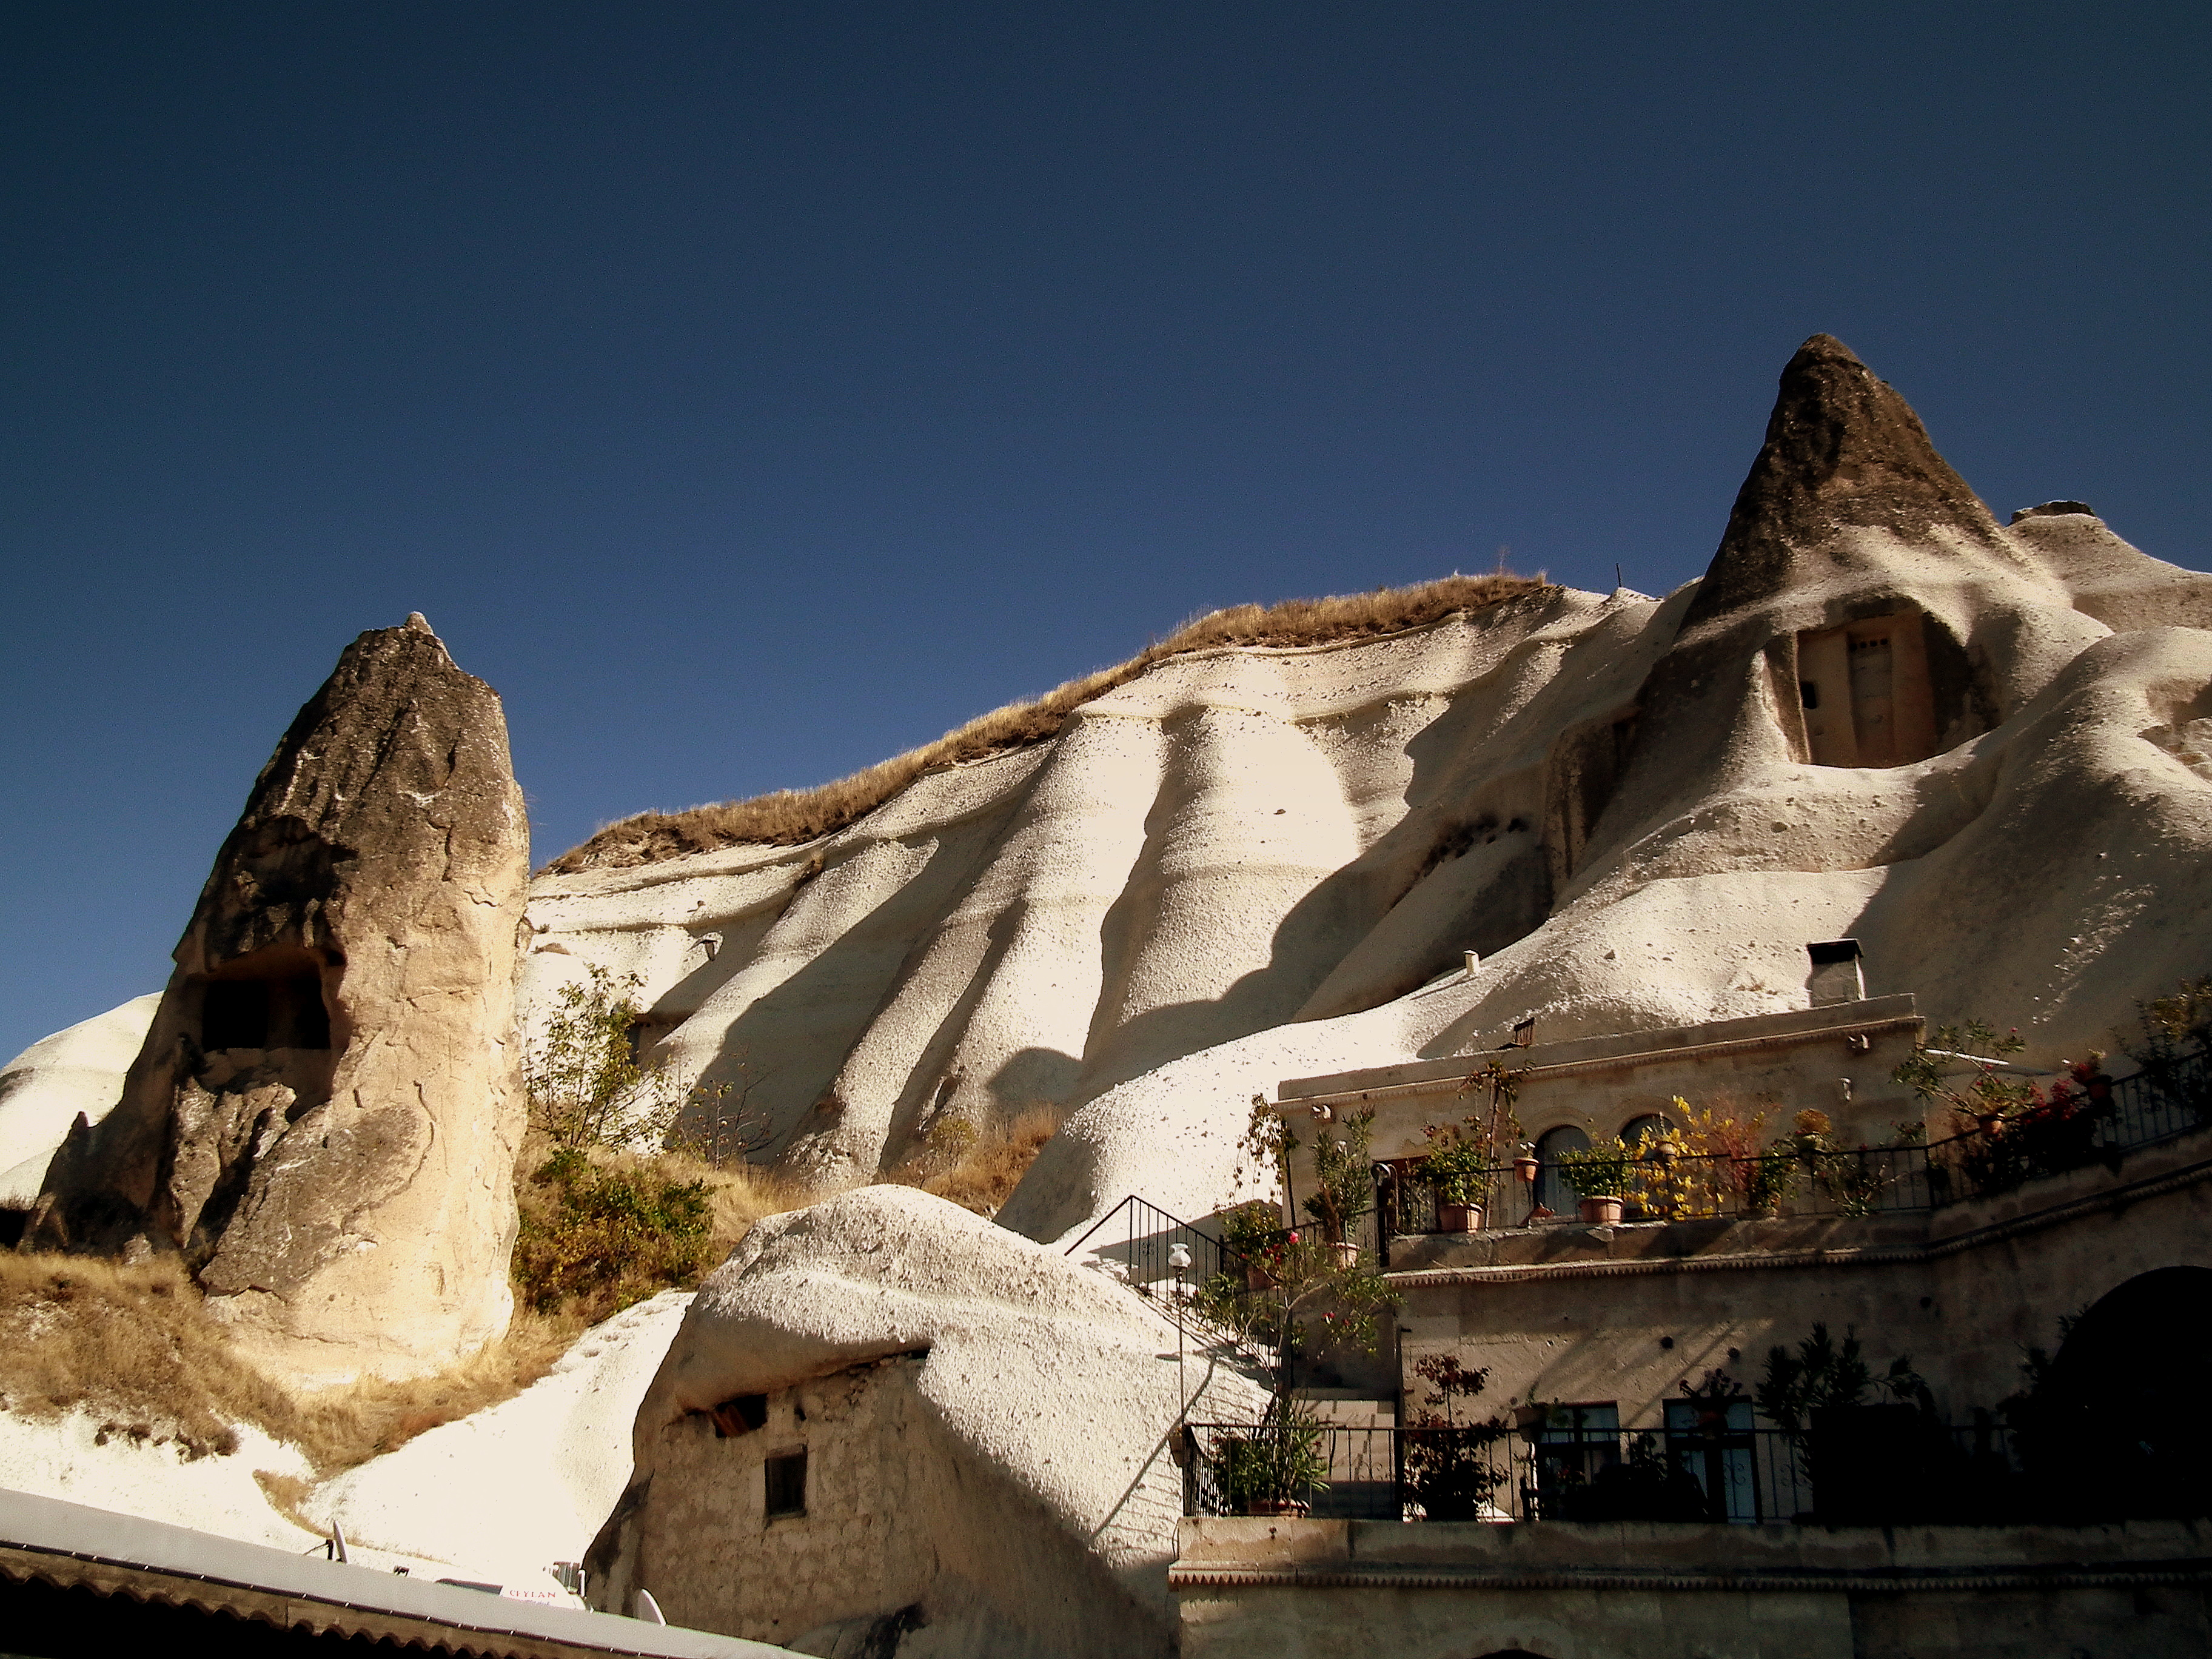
x=1552, y=1192
x=2114, y=1426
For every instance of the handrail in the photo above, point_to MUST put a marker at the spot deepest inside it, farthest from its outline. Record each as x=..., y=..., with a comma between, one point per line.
x=1706, y=1461
x=2154, y=1104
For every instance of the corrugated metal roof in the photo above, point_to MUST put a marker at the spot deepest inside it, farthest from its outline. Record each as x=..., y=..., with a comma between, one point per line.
x=70, y=1545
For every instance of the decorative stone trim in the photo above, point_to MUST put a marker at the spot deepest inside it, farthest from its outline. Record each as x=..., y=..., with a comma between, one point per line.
x=1860, y=1581
x=1699, y=1051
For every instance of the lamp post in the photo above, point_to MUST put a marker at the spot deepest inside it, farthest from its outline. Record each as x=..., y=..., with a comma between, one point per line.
x=1179, y=1258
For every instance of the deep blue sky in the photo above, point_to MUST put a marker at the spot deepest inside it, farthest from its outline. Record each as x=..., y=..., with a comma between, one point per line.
x=749, y=392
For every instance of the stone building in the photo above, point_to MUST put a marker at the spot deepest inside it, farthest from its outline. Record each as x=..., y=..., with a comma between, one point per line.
x=889, y=1426
x=1604, y=1342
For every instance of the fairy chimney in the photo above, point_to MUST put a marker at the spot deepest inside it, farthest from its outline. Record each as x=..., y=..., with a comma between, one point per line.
x=324, y=1117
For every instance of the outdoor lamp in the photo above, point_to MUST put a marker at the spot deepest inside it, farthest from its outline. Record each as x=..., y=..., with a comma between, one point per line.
x=1179, y=1258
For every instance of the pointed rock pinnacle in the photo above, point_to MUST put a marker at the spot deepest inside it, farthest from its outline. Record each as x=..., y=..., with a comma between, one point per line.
x=1842, y=452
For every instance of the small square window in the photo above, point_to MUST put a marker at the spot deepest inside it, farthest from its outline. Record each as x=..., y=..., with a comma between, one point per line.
x=786, y=1484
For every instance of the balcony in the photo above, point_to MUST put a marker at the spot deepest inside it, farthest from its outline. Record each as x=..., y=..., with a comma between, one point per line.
x=2147, y=1109
x=1859, y=1466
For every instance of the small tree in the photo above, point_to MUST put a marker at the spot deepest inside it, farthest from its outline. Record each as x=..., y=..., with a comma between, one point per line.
x=1449, y=1465
x=589, y=1084
x=1823, y=1372
x=1344, y=1178
x=1303, y=1296
x=1986, y=1097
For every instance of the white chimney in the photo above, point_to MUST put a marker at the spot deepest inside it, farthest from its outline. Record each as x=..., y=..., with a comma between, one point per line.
x=1837, y=976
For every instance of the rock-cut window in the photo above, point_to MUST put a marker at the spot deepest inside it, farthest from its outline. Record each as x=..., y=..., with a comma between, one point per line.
x=1865, y=693
x=786, y=1484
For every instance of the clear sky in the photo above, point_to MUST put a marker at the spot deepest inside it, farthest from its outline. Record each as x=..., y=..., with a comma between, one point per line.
x=752, y=390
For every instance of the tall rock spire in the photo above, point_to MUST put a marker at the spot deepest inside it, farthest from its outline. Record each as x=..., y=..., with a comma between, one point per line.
x=1842, y=452
x=325, y=1115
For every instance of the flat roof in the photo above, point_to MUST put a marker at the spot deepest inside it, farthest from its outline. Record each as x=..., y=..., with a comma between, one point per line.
x=1619, y=1050
x=71, y=1546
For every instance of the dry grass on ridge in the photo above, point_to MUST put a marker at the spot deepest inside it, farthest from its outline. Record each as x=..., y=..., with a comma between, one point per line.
x=980, y=1174
x=789, y=817
x=136, y=1346
x=132, y=1345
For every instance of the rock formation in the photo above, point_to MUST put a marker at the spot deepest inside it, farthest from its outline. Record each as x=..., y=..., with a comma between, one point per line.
x=75, y=1073
x=1882, y=713
x=983, y=1435
x=1977, y=749
x=325, y=1115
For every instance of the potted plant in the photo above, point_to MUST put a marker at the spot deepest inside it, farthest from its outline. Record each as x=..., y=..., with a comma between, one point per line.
x=1344, y=1183
x=1254, y=1233
x=1600, y=1174
x=1457, y=1168
x=1277, y=1466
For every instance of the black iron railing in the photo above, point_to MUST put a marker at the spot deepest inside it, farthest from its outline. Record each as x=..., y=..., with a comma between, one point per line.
x=1865, y=1466
x=1139, y=1239
x=2114, y=1118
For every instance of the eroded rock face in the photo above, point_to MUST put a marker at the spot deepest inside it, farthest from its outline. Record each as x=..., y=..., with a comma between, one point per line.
x=325, y=1115
x=1844, y=451
x=1978, y=748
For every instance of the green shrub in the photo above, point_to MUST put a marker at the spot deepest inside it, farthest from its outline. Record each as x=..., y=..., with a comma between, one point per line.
x=594, y=1239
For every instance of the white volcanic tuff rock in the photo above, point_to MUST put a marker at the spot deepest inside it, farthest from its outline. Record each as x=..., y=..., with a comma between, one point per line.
x=1171, y=1135
x=44, y=1089
x=1613, y=800
x=1001, y=995
x=502, y=1494
x=82, y=1459
x=1226, y=926
x=2110, y=581
x=1186, y=862
x=2052, y=871
x=325, y=1115
x=1047, y=1392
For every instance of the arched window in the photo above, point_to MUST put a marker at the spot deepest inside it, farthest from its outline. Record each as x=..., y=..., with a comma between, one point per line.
x=1553, y=1193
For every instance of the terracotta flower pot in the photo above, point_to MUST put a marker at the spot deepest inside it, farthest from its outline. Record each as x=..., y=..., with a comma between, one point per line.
x=1524, y=1168
x=1459, y=1217
x=1600, y=1212
x=1290, y=1506
x=1347, y=1255
x=1257, y=1277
